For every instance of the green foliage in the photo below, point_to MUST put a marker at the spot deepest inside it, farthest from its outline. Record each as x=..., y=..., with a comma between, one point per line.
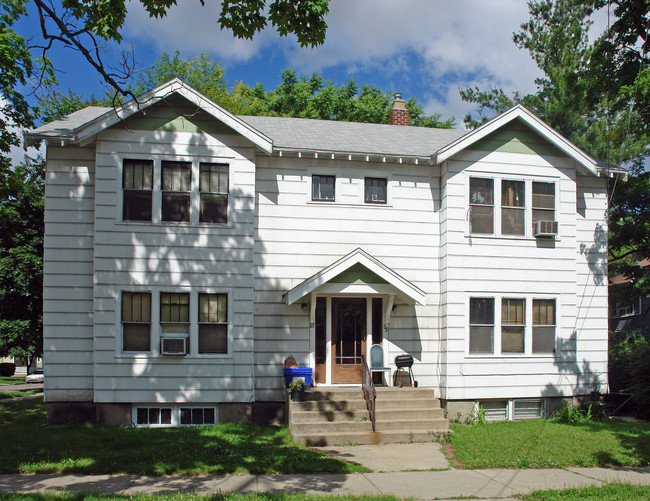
x=629, y=368
x=312, y=97
x=15, y=68
x=303, y=18
x=608, y=492
x=541, y=443
x=572, y=414
x=21, y=260
x=200, y=450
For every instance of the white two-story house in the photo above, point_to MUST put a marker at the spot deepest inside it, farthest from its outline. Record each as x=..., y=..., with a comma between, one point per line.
x=189, y=251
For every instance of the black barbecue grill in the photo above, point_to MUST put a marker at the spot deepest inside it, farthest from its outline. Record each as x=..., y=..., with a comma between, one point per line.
x=405, y=362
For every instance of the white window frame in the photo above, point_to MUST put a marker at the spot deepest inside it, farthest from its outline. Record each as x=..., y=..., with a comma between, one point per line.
x=175, y=414
x=156, y=330
x=497, y=208
x=195, y=194
x=497, y=331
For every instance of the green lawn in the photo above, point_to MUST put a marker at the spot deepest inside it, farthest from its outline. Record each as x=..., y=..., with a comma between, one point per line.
x=28, y=447
x=12, y=379
x=610, y=492
x=541, y=443
x=15, y=394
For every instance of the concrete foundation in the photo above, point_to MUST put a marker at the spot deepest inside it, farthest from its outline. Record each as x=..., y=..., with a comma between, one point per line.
x=71, y=412
x=114, y=414
x=271, y=413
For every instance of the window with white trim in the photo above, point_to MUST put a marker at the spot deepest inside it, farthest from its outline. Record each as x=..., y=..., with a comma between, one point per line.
x=513, y=322
x=323, y=188
x=161, y=415
x=543, y=325
x=481, y=325
x=213, y=181
x=175, y=312
x=543, y=202
x=481, y=205
x=136, y=321
x=375, y=190
x=176, y=191
x=213, y=323
x=177, y=197
x=527, y=326
x=522, y=202
x=513, y=208
x=137, y=190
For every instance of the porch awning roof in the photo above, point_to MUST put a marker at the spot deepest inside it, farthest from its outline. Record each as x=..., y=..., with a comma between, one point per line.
x=404, y=289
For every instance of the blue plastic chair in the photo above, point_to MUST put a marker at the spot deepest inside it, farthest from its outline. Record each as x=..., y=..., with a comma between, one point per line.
x=377, y=360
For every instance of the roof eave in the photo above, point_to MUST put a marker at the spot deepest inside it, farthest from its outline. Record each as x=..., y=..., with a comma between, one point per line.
x=517, y=111
x=357, y=256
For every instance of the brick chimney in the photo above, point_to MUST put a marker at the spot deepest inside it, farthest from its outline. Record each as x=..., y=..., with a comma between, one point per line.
x=399, y=115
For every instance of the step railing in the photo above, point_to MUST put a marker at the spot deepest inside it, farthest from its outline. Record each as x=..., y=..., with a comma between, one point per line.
x=369, y=393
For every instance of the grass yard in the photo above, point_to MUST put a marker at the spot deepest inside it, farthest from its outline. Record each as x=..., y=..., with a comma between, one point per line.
x=29, y=447
x=12, y=379
x=610, y=492
x=15, y=394
x=541, y=443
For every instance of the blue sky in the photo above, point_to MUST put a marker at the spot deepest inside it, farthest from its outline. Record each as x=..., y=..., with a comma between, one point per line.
x=426, y=49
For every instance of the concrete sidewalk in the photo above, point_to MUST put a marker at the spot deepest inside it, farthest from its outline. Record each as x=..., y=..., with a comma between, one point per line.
x=449, y=484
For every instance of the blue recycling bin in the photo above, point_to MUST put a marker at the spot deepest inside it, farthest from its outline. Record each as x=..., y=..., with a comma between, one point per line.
x=297, y=372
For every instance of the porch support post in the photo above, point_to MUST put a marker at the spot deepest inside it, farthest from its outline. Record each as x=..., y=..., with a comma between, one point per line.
x=312, y=331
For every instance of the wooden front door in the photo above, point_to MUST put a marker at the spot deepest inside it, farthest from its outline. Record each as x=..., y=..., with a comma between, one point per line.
x=348, y=339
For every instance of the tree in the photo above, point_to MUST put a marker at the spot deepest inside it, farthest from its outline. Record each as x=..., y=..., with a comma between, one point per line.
x=83, y=24
x=313, y=97
x=301, y=97
x=21, y=260
x=598, y=96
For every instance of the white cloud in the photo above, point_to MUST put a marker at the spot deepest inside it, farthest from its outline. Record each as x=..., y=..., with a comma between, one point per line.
x=430, y=46
x=191, y=28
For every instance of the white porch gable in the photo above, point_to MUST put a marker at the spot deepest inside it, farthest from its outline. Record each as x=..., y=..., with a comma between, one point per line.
x=398, y=285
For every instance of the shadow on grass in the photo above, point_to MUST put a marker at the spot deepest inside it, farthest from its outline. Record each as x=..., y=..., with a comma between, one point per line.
x=29, y=447
x=633, y=437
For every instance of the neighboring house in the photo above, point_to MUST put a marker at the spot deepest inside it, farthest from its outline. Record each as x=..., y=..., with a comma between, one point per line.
x=188, y=251
x=626, y=316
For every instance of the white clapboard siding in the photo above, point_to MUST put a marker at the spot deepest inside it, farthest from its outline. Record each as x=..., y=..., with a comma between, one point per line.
x=167, y=257
x=296, y=238
x=68, y=279
x=489, y=266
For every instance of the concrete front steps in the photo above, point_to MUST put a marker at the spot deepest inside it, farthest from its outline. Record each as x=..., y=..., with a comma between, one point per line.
x=338, y=416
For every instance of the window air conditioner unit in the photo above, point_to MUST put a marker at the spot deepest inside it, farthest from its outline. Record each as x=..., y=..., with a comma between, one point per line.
x=173, y=345
x=545, y=228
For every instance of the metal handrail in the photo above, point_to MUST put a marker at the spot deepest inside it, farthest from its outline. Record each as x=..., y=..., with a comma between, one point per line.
x=369, y=393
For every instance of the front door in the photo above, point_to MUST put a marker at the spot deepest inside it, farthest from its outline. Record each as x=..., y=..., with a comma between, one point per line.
x=348, y=339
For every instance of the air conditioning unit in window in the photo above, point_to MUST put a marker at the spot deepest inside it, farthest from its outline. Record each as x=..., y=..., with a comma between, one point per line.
x=173, y=345
x=545, y=228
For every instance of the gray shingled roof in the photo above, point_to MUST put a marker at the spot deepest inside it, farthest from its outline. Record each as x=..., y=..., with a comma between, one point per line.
x=300, y=134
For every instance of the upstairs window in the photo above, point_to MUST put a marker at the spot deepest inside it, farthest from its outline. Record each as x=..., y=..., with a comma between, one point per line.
x=322, y=188
x=481, y=325
x=136, y=321
x=176, y=191
x=481, y=205
x=213, y=323
x=375, y=190
x=174, y=313
x=137, y=189
x=213, y=186
x=513, y=320
x=543, y=202
x=543, y=325
x=513, y=208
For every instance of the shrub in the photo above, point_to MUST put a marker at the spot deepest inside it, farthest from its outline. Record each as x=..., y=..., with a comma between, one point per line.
x=629, y=368
x=7, y=369
x=571, y=414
